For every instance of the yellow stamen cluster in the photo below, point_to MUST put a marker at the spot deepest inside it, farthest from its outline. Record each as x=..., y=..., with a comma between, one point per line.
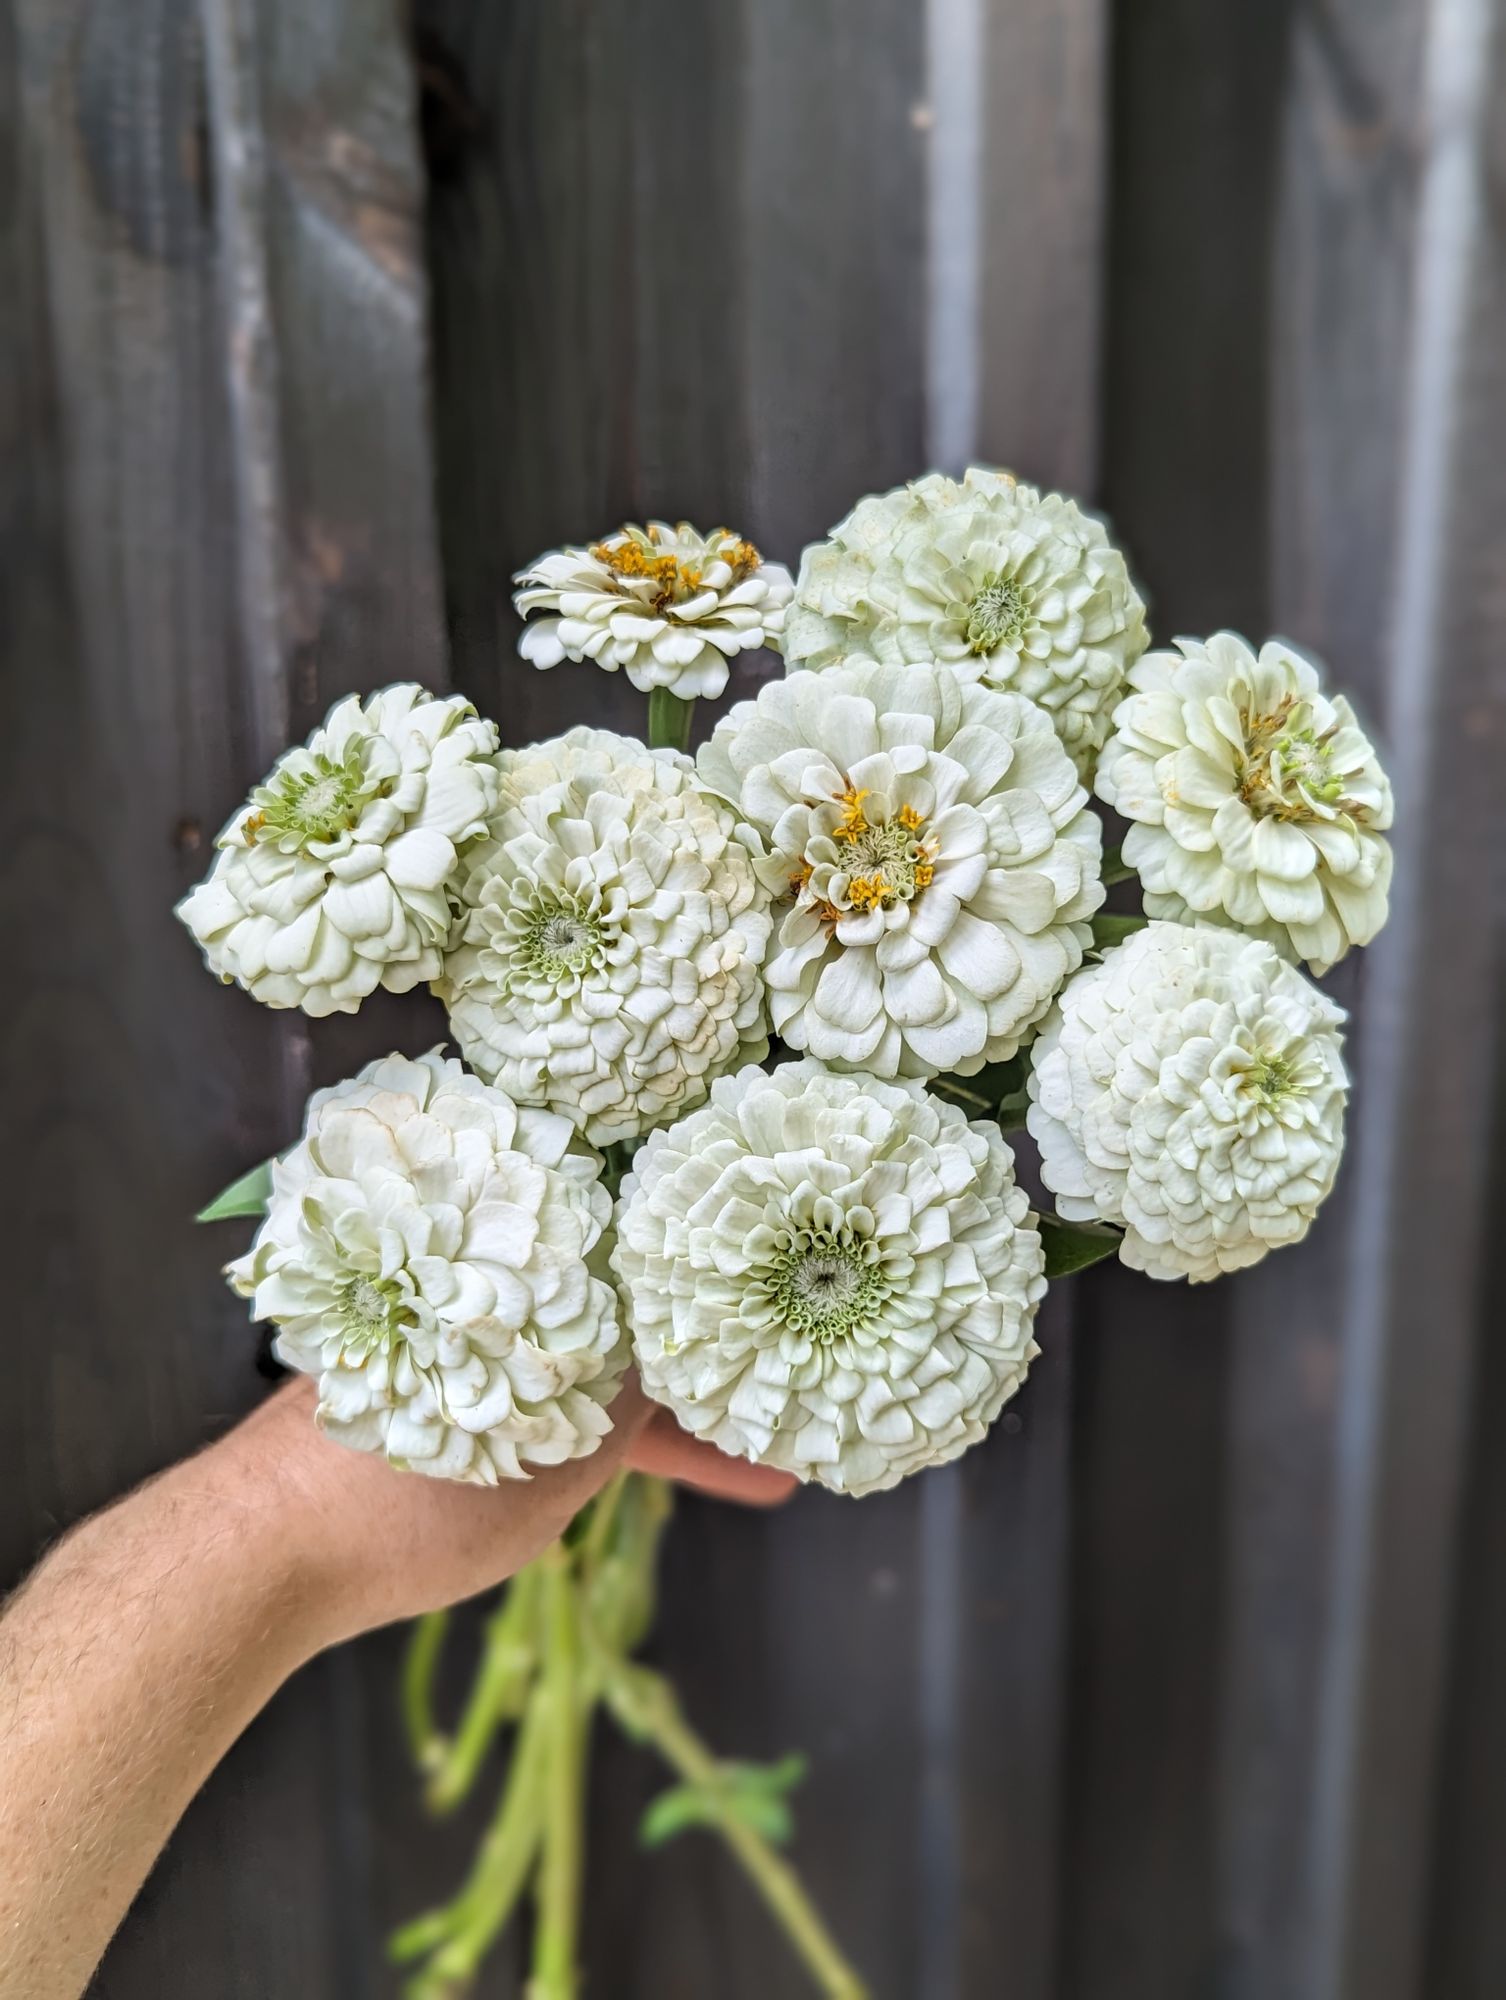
x=853, y=823
x=866, y=892
x=674, y=579
x=925, y=874
x=740, y=556
x=911, y=820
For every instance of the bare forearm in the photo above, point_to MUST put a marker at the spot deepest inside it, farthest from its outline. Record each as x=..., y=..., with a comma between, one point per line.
x=150, y=1637
x=128, y=1666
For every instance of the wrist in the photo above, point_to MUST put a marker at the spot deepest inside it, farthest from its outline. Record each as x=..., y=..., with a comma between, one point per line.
x=278, y=1480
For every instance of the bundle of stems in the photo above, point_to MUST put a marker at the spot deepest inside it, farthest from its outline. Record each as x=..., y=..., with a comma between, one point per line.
x=559, y=1645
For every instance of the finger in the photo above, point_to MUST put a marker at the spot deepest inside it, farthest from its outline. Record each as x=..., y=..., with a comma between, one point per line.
x=663, y=1449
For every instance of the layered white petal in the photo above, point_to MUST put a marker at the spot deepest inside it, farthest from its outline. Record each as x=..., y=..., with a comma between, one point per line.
x=331, y=880
x=830, y=1274
x=1190, y=1088
x=606, y=956
x=934, y=857
x=1256, y=799
x=666, y=604
x=1016, y=588
x=431, y=1253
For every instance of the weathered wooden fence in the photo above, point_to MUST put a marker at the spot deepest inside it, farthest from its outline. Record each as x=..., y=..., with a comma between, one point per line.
x=315, y=321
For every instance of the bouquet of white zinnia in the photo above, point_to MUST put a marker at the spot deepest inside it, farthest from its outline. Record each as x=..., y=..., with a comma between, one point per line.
x=740, y=1039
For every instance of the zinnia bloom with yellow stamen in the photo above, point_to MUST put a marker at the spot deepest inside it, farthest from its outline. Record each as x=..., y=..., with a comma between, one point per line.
x=935, y=854
x=1257, y=801
x=668, y=605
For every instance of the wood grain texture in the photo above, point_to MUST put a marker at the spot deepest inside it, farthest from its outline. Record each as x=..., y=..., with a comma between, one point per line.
x=1045, y=83
x=1342, y=254
x=1189, y=293
x=997, y=1883
x=1420, y=90
x=216, y=509
x=139, y=1084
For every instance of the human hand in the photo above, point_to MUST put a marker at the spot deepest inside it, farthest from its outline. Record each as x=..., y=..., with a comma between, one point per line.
x=368, y=1545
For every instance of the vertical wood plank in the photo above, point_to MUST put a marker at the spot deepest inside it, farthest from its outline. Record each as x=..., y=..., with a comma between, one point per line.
x=1017, y=137
x=1420, y=87
x=137, y=1083
x=1341, y=259
x=214, y=472
x=1195, y=124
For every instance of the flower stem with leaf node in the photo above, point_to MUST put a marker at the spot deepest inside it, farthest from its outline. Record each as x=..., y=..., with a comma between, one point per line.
x=646, y=1706
x=668, y=720
x=559, y=1644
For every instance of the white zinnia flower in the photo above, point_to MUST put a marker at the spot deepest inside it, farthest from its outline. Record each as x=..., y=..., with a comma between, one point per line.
x=829, y=1274
x=1013, y=587
x=1191, y=1089
x=936, y=856
x=1257, y=799
x=606, y=958
x=427, y=1254
x=668, y=604
x=331, y=881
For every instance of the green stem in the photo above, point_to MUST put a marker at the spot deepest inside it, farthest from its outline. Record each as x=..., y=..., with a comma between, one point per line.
x=510, y=1653
x=949, y=1087
x=460, y=1935
x=600, y=1523
x=566, y=1713
x=645, y=1705
x=668, y=720
x=419, y=1667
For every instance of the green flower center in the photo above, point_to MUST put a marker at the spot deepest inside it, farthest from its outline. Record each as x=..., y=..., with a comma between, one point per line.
x=374, y=1314
x=823, y=1287
x=885, y=863
x=1271, y=1078
x=561, y=940
x=997, y=615
x=1287, y=771
x=301, y=807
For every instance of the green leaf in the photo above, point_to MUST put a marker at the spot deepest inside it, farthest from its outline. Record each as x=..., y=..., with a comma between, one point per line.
x=1072, y=1246
x=674, y=1811
x=247, y=1196
x=1115, y=867
x=1109, y=929
x=753, y=1794
x=996, y=1091
x=772, y=1779
x=768, y=1816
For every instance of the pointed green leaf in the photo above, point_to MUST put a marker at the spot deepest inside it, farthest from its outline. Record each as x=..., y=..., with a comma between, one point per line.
x=1072, y=1246
x=771, y=1779
x=765, y=1814
x=681, y=1807
x=247, y=1196
x=995, y=1091
x=1110, y=929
